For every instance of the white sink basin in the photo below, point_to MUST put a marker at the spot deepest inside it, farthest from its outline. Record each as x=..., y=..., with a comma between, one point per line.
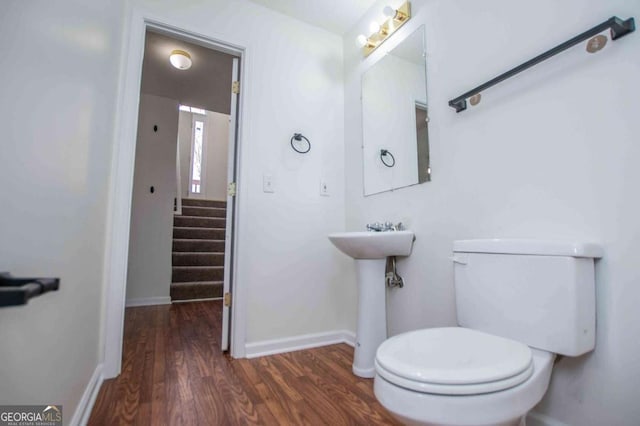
x=370, y=250
x=373, y=245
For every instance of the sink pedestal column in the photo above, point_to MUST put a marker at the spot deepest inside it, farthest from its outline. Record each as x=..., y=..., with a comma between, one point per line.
x=371, y=329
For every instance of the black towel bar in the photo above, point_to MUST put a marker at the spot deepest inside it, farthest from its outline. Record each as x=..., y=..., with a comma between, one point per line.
x=17, y=291
x=617, y=26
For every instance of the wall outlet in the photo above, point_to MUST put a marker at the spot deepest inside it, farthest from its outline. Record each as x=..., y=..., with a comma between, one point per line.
x=324, y=188
x=268, y=184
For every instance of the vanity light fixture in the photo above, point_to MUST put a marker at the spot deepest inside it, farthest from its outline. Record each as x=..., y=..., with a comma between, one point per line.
x=361, y=40
x=380, y=32
x=180, y=59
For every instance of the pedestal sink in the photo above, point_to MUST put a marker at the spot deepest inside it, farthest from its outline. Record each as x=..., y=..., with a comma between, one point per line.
x=370, y=251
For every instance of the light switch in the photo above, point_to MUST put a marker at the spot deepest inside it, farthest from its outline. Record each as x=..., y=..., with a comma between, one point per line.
x=268, y=184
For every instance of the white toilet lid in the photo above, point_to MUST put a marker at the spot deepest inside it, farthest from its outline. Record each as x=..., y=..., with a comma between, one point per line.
x=455, y=360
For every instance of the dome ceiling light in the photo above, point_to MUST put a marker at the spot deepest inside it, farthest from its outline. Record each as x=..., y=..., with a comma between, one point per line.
x=180, y=59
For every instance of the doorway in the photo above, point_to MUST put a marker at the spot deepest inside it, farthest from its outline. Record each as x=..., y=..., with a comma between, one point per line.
x=199, y=227
x=123, y=169
x=201, y=233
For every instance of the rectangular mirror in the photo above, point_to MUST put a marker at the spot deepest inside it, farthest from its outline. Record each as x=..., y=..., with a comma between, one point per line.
x=395, y=118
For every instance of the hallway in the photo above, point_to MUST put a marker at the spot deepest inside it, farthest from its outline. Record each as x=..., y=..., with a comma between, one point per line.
x=173, y=373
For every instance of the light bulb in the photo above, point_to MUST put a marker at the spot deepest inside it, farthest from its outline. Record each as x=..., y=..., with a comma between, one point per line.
x=374, y=27
x=361, y=40
x=389, y=12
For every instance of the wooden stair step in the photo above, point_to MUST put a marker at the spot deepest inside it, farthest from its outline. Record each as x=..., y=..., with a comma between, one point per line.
x=197, y=259
x=180, y=274
x=196, y=290
x=211, y=246
x=203, y=203
x=199, y=222
x=195, y=233
x=204, y=211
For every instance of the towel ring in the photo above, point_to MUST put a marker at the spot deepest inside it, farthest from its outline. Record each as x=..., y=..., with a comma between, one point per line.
x=384, y=154
x=298, y=137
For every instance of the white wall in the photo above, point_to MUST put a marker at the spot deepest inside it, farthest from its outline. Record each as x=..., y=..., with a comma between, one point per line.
x=551, y=153
x=389, y=94
x=150, y=239
x=216, y=134
x=59, y=79
x=290, y=271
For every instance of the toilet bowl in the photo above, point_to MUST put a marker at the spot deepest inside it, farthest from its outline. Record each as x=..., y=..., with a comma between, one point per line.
x=457, y=376
x=519, y=302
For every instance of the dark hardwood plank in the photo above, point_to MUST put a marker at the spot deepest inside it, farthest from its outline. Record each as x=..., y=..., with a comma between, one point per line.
x=209, y=405
x=173, y=373
x=272, y=404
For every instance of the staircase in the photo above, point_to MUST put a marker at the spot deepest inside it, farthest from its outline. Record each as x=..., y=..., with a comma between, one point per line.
x=198, y=250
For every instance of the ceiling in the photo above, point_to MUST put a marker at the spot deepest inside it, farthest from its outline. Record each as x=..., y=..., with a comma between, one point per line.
x=336, y=16
x=207, y=84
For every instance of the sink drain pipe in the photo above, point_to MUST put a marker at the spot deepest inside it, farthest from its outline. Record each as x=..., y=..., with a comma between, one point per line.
x=391, y=277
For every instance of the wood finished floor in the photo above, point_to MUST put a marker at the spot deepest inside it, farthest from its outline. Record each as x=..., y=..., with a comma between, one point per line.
x=173, y=373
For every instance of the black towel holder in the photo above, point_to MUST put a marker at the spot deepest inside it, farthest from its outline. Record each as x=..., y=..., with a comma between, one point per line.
x=384, y=153
x=17, y=291
x=298, y=137
x=617, y=27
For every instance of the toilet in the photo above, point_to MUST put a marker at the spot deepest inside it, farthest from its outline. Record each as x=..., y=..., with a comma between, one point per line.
x=519, y=304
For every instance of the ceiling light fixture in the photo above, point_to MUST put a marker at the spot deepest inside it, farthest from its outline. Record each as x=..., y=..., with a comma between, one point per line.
x=180, y=59
x=379, y=33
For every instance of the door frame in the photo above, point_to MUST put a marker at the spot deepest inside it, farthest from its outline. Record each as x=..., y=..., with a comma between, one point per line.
x=121, y=182
x=229, y=242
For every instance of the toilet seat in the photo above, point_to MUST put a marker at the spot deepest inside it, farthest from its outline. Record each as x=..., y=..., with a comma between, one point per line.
x=453, y=361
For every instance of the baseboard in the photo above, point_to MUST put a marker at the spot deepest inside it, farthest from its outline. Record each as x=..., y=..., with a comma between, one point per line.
x=296, y=343
x=83, y=410
x=538, y=419
x=148, y=301
x=349, y=337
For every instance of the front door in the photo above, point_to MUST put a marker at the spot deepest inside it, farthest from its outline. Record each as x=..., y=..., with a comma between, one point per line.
x=197, y=170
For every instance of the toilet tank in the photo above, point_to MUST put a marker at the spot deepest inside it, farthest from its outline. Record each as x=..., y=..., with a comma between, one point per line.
x=541, y=293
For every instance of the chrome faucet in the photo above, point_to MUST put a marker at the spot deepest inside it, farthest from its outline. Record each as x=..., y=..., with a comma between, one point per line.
x=397, y=227
x=384, y=227
x=375, y=227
